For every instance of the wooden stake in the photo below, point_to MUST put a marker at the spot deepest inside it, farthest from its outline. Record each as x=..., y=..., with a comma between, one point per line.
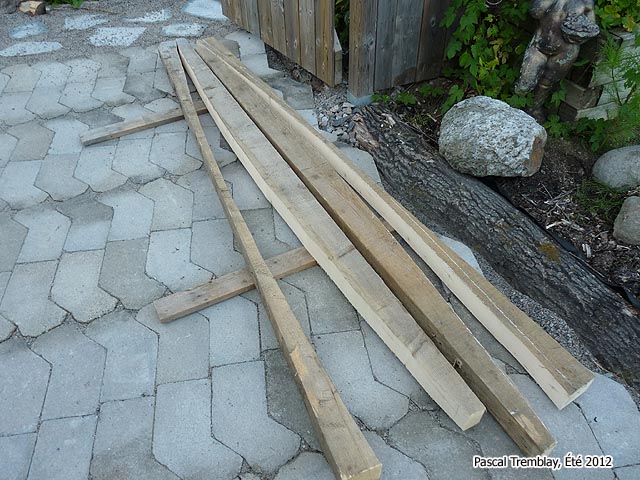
x=344, y=445
x=120, y=129
x=557, y=372
x=332, y=250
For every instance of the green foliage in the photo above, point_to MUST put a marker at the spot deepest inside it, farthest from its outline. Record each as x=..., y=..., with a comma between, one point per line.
x=599, y=200
x=406, y=98
x=619, y=13
x=342, y=17
x=381, y=98
x=73, y=3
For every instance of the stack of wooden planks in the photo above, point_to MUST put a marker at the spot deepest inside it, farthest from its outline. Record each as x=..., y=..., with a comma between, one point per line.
x=344, y=221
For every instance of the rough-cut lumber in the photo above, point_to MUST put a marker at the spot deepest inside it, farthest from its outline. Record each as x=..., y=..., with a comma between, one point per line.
x=120, y=129
x=516, y=247
x=33, y=8
x=179, y=304
x=343, y=443
x=333, y=251
x=394, y=265
x=559, y=374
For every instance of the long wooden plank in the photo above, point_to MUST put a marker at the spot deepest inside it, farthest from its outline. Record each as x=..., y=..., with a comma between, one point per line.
x=343, y=443
x=179, y=304
x=120, y=129
x=334, y=252
x=557, y=372
x=394, y=265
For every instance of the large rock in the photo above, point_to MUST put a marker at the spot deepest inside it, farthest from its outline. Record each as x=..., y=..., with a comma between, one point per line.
x=627, y=225
x=619, y=168
x=483, y=136
x=9, y=6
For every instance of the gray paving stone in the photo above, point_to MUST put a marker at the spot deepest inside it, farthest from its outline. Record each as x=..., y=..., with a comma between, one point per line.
x=182, y=434
x=235, y=333
x=16, y=455
x=67, y=135
x=395, y=465
x=132, y=160
x=115, y=36
x=223, y=157
x=206, y=204
x=83, y=70
x=173, y=204
x=240, y=419
x=47, y=233
x=4, y=79
x=140, y=85
x=211, y=10
x=132, y=350
x=63, y=449
x=260, y=223
x=123, y=273
x=445, y=454
x=95, y=168
x=296, y=300
x=463, y=251
x=22, y=49
x=161, y=79
x=140, y=60
x=90, y=223
x=284, y=402
x=614, y=419
x=83, y=22
x=53, y=74
x=628, y=473
x=132, y=111
x=245, y=192
x=212, y=247
x=283, y=233
x=33, y=141
x=152, y=17
x=329, y=310
x=122, y=447
x=298, y=95
x=162, y=105
x=173, y=127
x=184, y=29
x=56, y=177
x=76, y=289
x=76, y=374
x=110, y=91
x=168, y=151
x=310, y=116
x=26, y=300
x=362, y=159
x=390, y=371
x=569, y=427
x=6, y=328
x=77, y=96
x=168, y=260
x=183, y=350
x=13, y=108
x=12, y=235
x=30, y=29
x=23, y=78
x=307, y=465
x=259, y=65
x=8, y=144
x=24, y=378
x=248, y=43
x=16, y=184
x=111, y=64
x=132, y=214
x=44, y=102
x=345, y=358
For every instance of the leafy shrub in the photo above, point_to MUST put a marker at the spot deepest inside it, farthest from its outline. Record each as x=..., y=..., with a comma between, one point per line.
x=73, y=3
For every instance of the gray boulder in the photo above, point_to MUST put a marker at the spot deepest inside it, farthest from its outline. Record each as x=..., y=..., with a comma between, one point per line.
x=9, y=6
x=627, y=225
x=619, y=168
x=483, y=136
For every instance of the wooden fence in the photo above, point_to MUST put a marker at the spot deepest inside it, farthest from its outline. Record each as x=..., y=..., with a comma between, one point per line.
x=392, y=42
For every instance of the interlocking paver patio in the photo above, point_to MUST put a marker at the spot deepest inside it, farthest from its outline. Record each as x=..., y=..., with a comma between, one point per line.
x=46, y=236
x=34, y=141
x=173, y=205
x=132, y=214
x=16, y=455
x=95, y=168
x=132, y=160
x=56, y=177
x=90, y=223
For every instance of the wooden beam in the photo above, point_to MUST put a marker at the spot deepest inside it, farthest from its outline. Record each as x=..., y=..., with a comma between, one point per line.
x=179, y=304
x=333, y=251
x=120, y=129
x=557, y=372
x=394, y=265
x=343, y=443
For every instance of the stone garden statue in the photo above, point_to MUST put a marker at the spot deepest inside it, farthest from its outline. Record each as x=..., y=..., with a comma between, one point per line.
x=563, y=25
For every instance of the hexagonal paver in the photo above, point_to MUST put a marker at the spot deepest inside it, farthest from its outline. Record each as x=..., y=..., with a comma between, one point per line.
x=44, y=102
x=67, y=137
x=12, y=235
x=308, y=465
x=23, y=78
x=132, y=160
x=56, y=177
x=47, y=233
x=24, y=377
x=13, y=108
x=53, y=74
x=33, y=141
x=26, y=299
x=77, y=96
x=173, y=204
x=245, y=192
x=206, y=204
x=16, y=455
x=223, y=157
x=111, y=64
x=212, y=247
x=168, y=151
x=8, y=144
x=132, y=214
x=17, y=184
x=95, y=168
x=110, y=91
x=132, y=349
x=83, y=70
x=90, y=223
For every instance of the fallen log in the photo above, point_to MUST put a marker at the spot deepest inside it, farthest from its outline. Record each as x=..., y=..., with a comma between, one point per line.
x=413, y=171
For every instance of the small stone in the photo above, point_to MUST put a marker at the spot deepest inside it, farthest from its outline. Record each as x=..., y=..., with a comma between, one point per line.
x=184, y=30
x=115, y=36
x=626, y=228
x=28, y=30
x=22, y=49
x=482, y=136
x=619, y=168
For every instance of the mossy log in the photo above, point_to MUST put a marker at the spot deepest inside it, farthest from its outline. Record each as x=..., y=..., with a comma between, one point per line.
x=516, y=247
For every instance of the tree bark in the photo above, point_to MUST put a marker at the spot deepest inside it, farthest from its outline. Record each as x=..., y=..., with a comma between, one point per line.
x=414, y=172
